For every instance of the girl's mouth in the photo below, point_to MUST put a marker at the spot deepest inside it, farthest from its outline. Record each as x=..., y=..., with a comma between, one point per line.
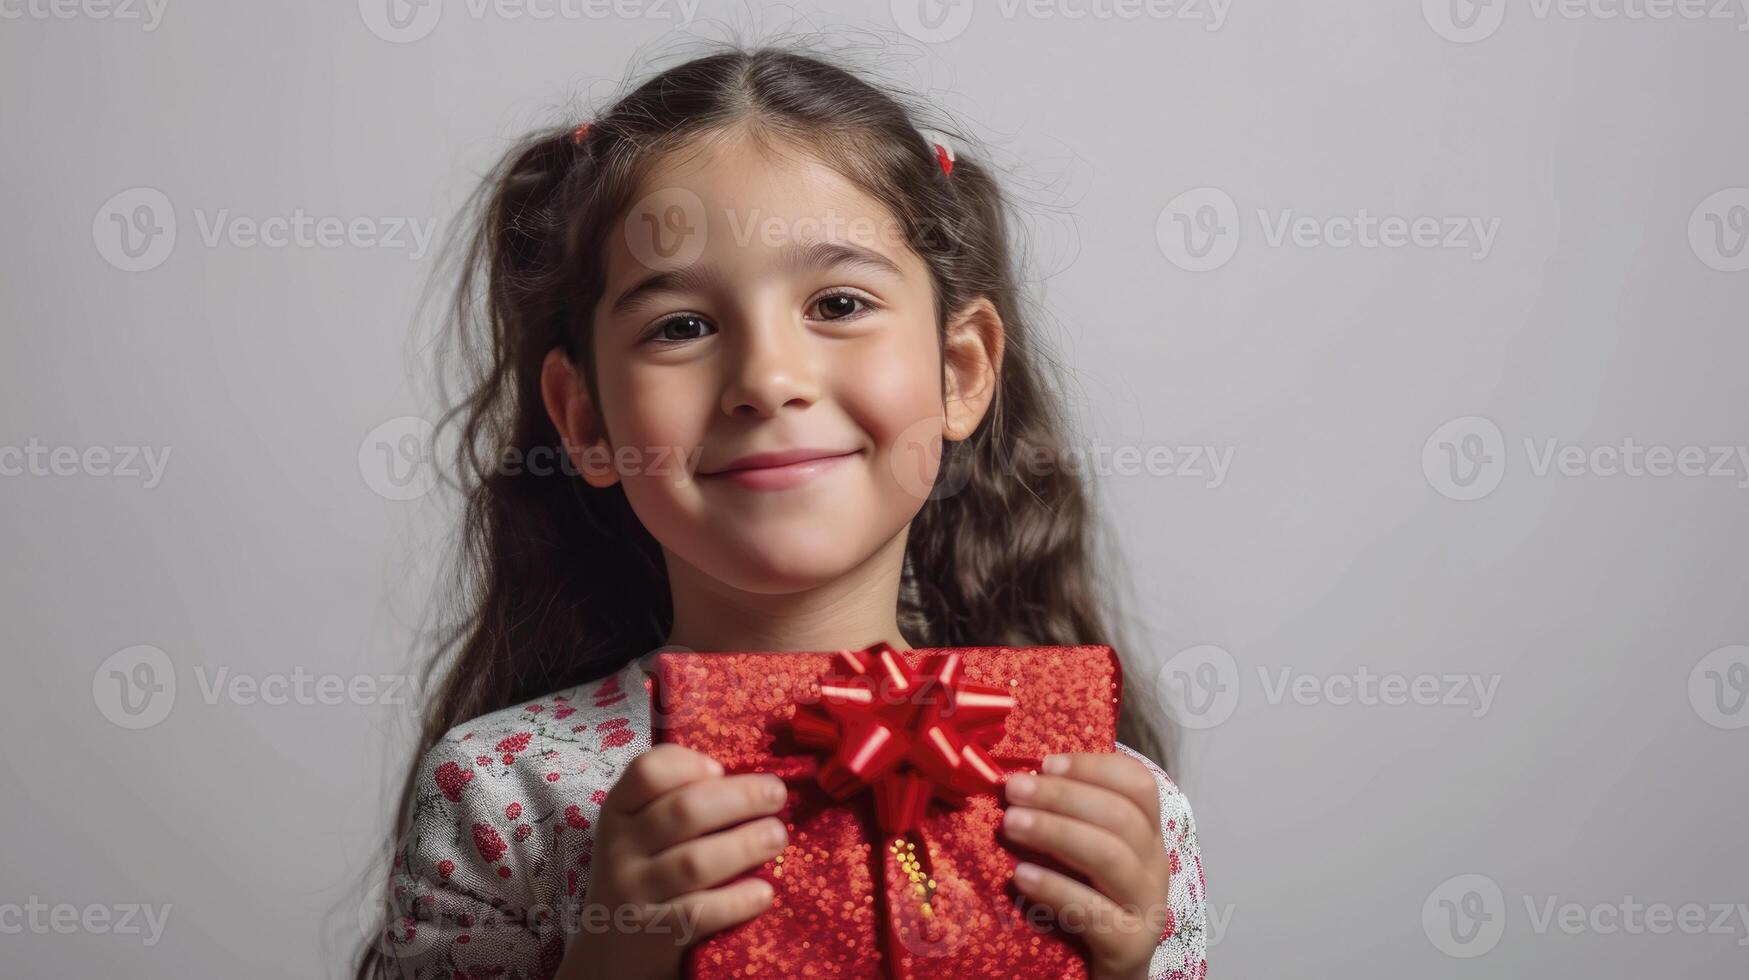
x=781, y=477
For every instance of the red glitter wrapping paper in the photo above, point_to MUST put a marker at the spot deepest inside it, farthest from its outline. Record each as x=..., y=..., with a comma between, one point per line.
x=855, y=895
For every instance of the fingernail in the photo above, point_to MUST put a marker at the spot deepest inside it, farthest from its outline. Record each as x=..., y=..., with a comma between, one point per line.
x=775, y=835
x=1054, y=765
x=763, y=891
x=1021, y=786
x=775, y=790
x=713, y=766
x=1018, y=818
x=1025, y=873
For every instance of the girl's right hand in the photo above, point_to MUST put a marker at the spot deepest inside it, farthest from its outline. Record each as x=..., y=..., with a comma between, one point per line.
x=660, y=848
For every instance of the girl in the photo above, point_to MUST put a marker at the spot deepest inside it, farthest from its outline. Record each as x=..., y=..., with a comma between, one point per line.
x=757, y=377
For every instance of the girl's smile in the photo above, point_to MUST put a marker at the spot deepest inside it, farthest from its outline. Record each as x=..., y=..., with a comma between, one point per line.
x=780, y=471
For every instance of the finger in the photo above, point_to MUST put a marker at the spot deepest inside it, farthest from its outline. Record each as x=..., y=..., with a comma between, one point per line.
x=711, y=860
x=1114, y=771
x=715, y=909
x=711, y=804
x=663, y=768
x=1078, y=909
x=1096, y=852
x=1090, y=802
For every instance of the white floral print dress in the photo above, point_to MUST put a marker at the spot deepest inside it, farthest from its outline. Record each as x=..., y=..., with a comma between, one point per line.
x=503, y=823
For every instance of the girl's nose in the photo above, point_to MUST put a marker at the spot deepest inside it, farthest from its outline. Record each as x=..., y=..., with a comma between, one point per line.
x=773, y=365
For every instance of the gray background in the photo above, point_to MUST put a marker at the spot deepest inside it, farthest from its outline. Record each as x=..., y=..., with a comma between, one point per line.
x=1607, y=768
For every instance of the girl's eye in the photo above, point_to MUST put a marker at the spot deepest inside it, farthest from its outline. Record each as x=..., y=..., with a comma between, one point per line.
x=685, y=323
x=838, y=306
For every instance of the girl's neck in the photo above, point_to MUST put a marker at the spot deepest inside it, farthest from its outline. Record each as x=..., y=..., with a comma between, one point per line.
x=852, y=611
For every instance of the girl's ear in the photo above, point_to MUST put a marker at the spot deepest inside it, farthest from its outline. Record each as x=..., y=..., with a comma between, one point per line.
x=585, y=440
x=972, y=363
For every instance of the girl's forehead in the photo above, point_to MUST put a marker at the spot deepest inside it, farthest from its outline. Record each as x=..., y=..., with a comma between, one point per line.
x=746, y=203
x=756, y=177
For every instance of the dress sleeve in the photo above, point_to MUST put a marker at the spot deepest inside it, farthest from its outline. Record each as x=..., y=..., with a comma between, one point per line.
x=1183, y=953
x=462, y=893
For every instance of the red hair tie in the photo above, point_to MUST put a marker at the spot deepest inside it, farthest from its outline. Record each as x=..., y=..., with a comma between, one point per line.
x=944, y=157
x=580, y=134
x=943, y=148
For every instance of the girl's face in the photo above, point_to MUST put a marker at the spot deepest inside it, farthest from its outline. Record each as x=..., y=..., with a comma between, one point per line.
x=757, y=303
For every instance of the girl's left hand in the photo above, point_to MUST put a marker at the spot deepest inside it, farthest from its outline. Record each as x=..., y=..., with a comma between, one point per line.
x=1098, y=813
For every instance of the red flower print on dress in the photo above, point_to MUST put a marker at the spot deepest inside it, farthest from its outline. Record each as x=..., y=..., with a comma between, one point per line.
x=513, y=811
x=616, y=738
x=560, y=714
x=451, y=778
x=598, y=797
x=609, y=692
x=446, y=867
x=522, y=831
x=515, y=743
x=487, y=842
x=535, y=709
x=614, y=723
x=574, y=816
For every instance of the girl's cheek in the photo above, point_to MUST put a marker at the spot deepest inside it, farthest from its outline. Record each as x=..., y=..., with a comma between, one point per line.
x=895, y=398
x=660, y=424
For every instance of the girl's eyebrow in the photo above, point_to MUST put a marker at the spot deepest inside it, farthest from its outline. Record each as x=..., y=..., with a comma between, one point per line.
x=702, y=277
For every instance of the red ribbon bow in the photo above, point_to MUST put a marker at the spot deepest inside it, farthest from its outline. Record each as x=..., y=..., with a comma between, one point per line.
x=909, y=735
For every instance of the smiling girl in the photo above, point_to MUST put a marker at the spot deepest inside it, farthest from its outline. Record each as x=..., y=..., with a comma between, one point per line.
x=774, y=333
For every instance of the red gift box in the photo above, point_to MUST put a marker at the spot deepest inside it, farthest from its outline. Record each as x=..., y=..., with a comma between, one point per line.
x=895, y=865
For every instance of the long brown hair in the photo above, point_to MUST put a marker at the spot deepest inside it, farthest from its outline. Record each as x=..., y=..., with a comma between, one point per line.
x=558, y=581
